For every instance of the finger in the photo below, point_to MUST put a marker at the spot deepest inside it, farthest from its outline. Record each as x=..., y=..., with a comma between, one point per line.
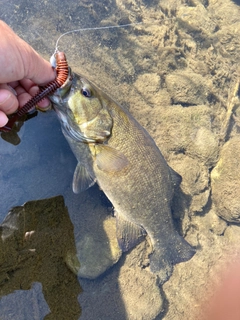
x=33, y=90
x=37, y=69
x=225, y=303
x=19, y=60
x=3, y=119
x=13, y=84
x=22, y=95
x=44, y=104
x=8, y=87
x=26, y=91
x=26, y=84
x=8, y=101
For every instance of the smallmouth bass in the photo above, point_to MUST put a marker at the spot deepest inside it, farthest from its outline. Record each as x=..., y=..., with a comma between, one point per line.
x=115, y=151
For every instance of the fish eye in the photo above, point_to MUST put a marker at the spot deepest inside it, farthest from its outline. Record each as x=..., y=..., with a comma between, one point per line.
x=86, y=92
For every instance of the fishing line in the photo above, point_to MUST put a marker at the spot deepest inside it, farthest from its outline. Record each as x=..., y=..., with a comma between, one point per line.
x=53, y=60
x=94, y=28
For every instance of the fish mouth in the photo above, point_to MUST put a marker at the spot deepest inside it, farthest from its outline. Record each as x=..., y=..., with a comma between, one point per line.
x=60, y=96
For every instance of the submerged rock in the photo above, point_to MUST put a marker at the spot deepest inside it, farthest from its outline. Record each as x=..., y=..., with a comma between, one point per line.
x=188, y=131
x=35, y=239
x=187, y=88
x=97, y=248
x=97, y=251
x=139, y=288
x=140, y=293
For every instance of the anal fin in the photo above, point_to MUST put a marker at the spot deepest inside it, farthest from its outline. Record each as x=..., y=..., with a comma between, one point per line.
x=128, y=233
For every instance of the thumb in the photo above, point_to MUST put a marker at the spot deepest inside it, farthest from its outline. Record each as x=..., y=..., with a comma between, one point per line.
x=19, y=60
x=37, y=69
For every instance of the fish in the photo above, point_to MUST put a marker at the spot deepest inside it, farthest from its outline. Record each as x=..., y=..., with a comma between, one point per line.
x=116, y=152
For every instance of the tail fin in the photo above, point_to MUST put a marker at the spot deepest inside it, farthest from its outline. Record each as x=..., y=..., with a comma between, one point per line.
x=165, y=256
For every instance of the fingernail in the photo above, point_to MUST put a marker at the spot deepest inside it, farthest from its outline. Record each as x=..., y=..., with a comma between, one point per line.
x=3, y=119
x=4, y=96
x=45, y=108
x=12, y=90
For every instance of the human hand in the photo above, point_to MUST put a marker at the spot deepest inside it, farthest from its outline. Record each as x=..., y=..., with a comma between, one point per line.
x=22, y=70
x=225, y=304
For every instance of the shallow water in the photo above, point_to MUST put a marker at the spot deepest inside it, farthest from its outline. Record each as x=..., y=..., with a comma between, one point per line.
x=143, y=68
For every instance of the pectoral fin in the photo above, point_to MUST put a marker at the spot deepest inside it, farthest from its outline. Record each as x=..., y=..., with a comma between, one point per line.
x=128, y=233
x=81, y=179
x=109, y=159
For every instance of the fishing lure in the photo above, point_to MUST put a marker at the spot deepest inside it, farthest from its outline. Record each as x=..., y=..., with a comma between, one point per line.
x=62, y=74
